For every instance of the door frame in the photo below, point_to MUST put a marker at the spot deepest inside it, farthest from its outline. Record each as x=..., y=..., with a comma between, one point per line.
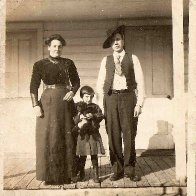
x=38, y=28
x=145, y=29
x=31, y=26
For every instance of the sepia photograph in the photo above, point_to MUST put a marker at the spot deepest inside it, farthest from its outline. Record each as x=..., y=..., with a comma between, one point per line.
x=98, y=97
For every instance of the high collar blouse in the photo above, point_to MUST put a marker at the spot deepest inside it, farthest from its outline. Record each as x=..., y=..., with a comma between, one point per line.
x=54, y=71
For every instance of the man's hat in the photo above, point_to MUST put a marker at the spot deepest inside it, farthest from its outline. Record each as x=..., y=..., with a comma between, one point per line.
x=111, y=33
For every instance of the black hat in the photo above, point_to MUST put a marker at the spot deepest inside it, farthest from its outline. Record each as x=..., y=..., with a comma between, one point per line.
x=55, y=37
x=111, y=33
x=86, y=90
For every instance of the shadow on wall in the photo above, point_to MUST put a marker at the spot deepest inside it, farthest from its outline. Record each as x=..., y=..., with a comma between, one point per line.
x=163, y=138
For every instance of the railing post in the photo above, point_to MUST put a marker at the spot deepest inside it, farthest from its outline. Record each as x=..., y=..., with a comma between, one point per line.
x=191, y=170
x=178, y=78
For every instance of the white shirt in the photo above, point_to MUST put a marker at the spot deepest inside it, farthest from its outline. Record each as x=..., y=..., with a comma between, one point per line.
x=119, y=82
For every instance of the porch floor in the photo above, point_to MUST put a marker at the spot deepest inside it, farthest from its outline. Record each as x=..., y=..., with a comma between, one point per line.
x=155, y=171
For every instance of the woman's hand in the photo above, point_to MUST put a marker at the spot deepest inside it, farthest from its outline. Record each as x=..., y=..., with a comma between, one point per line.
x=37, y=111
x=69, y=96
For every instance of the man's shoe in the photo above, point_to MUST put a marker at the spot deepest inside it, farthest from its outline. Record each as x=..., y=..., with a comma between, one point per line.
x=116, y=177
x=131, y=174
x=135, y=178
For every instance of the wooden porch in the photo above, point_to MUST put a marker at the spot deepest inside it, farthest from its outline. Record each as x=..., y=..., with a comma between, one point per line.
x=157, y=173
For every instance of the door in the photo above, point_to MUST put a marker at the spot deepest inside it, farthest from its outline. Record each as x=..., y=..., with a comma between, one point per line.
x=20, y=56
x=153, y=46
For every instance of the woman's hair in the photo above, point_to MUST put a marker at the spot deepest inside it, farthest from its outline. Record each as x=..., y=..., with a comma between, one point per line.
x=86, y=90
x=55, y=37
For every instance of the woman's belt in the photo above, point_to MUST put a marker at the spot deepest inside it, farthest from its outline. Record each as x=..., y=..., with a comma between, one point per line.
x=53, y=86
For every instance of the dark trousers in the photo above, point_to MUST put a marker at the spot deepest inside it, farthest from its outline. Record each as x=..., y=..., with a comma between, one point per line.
x=120, y=124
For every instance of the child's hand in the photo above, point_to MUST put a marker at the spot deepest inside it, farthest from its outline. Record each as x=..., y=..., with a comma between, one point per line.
x=82, y=117
x=89, y=115
x=82, y=123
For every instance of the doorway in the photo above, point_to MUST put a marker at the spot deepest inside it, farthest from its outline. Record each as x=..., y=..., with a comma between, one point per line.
x=20, y=56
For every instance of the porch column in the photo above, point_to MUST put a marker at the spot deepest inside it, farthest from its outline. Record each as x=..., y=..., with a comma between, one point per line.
x=2, y=49
x=178, y=79
x=2, y=81
x=191, y=164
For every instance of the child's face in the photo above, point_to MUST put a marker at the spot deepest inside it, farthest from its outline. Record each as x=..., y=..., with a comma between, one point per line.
x=87, y=98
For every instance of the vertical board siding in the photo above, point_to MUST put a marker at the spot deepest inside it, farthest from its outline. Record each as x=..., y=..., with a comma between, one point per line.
x=20, y=55
x=153, y=46
x=84, y=47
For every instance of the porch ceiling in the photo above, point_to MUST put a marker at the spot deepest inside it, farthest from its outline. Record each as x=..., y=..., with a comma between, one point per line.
x=66, y=10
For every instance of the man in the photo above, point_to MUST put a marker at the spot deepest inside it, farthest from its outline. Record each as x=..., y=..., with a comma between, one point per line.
x=120, y=91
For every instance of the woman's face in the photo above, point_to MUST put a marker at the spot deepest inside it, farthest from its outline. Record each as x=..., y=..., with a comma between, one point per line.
x=55, y=48
x=87, y=98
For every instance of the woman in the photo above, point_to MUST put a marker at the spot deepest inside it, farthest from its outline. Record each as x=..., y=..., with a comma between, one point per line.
x=54, y=113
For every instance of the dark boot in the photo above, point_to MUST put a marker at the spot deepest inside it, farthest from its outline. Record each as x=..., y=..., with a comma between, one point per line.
x=96, y=174
x=82, y=175
x=94, y=160
x=81, y=168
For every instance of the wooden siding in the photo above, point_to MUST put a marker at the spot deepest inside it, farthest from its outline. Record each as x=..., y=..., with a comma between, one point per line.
x=84, y=47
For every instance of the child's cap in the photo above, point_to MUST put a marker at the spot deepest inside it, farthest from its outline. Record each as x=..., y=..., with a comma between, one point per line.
x=86, y=90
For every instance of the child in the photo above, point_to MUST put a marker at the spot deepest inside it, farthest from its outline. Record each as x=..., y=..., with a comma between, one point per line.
x=88, y=140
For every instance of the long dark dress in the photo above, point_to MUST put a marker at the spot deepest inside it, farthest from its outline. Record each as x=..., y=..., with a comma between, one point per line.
x=53, y=129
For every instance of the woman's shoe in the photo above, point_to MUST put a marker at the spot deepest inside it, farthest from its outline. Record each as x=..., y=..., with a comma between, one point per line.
x=74, y=179
x=46, y=183
x=81, y=175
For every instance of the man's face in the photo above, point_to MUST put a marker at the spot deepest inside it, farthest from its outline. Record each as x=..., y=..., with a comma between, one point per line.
x=117, y=43
x=55, y=48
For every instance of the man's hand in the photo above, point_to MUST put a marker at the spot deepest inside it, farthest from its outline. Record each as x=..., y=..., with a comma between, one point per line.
x=37, y=111
x=137, y=110
x=69, y=96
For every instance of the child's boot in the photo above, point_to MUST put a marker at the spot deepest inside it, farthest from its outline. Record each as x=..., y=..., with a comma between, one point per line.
x=94, y=160
x=82, y=166
x=96, y=174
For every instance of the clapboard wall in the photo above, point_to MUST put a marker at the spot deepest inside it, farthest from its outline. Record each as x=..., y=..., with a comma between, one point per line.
x=84, y=46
